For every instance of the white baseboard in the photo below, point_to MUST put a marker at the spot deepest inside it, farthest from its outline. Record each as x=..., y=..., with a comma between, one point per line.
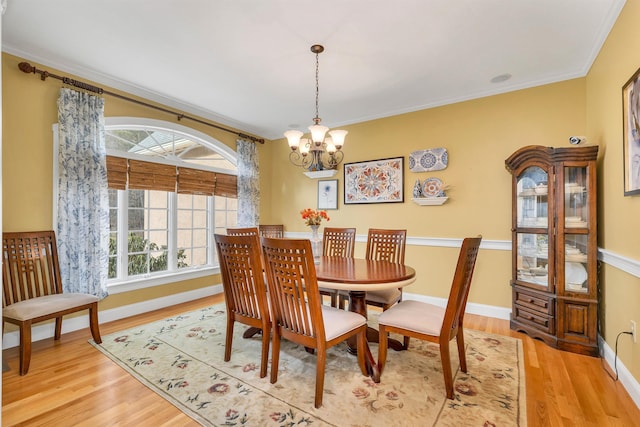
x=44, y=331
x=624, y=376
x=473, y=308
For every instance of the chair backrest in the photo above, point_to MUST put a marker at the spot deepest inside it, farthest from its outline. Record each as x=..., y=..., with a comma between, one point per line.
x=293, y=289
x=30, y=266
x=243, y=231
x=271, y=230
x=245, y=292
x=338, y=242
x=459, y=293
x=386, y=245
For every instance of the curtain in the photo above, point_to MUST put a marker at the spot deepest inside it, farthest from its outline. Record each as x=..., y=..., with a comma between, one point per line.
x=83, y=198
x=248, y=184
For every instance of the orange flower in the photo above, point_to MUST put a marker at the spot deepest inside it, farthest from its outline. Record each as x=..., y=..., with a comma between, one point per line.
x=313, y=217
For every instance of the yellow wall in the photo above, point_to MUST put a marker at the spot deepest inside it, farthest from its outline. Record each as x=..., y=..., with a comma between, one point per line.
x=618, y=216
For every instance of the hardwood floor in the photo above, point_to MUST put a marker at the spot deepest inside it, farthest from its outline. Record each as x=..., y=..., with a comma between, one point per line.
x=72, y=384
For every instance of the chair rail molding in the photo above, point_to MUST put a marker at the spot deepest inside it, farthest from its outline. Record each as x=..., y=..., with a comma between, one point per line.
x=628, y=265
x=620, y=262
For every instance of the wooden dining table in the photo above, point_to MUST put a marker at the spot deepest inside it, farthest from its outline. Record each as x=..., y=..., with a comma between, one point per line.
x=358, y=276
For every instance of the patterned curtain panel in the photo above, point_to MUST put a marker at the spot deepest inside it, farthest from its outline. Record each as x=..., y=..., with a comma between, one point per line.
x=83, y=198
x=248, y=184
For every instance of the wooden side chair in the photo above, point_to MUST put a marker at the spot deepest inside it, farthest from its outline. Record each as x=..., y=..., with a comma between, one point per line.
x=243, y=231
x=32, y=289
x=298, y=313
x=245, y=292
x=271, y=230
x=433, y=323
x=339, y=242
x=383, y=245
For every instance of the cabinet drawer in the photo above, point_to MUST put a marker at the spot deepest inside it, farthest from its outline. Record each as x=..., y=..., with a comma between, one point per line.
x=533, y=301
x=536, y=319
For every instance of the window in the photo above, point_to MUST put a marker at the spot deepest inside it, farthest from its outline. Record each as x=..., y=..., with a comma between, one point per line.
x=170, y=189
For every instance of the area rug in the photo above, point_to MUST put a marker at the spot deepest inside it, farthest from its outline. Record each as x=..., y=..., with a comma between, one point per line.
x=181, y=359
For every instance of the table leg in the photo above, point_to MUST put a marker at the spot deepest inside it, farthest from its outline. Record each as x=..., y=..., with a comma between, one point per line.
x=251, y=331
x=358, y=305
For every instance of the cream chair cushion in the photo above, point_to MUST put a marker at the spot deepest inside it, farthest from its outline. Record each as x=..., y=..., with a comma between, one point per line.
x=414, y=316
x=46, y=305
x=338, y=322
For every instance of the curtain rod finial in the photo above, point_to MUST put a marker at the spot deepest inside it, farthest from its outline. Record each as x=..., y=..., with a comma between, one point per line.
x=25, y=67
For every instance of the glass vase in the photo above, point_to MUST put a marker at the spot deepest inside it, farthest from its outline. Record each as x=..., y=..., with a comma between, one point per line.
x=316, y=243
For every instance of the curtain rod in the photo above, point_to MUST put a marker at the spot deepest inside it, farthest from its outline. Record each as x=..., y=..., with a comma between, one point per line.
x=28, y=68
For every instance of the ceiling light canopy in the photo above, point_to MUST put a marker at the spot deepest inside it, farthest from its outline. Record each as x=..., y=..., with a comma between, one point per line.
x=319, y=152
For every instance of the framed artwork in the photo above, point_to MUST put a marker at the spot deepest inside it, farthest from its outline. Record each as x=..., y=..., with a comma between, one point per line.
x=374, y=181
x=328, y=194
x=631, y=134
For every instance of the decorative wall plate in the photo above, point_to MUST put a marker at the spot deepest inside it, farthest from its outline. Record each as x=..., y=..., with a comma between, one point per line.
x=433, y=159
x=431, y=187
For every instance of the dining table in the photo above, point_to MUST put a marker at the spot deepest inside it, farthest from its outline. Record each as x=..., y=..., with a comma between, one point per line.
x=357, y=276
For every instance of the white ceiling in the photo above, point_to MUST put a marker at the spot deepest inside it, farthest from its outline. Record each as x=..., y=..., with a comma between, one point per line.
x=247, y=63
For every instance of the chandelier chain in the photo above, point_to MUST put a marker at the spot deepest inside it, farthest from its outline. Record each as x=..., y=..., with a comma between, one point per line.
x=317, y=86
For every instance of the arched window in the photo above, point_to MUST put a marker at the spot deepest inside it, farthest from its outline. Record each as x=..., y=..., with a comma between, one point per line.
x=170, y=189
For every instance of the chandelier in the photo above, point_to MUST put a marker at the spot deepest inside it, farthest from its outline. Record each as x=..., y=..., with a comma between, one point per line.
x=320, y=152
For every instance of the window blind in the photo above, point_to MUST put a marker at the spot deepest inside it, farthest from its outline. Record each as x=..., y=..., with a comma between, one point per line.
x=151, y=176
x=117, y=171
x=125, y=174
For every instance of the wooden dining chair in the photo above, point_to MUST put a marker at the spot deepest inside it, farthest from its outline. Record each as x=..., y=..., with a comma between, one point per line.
x=297, y=310
x=383, y=245
x=243, y=231
x=245, y=292
x=32, y=289
x=339, y=242
x=271, y=230
x=433, y=323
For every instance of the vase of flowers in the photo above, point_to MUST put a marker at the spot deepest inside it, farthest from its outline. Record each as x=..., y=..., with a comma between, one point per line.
x=313, y=219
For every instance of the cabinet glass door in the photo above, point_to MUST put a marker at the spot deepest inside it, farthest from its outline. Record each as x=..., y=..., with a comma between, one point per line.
x=532, y=202
x=575, y=197
x=576, y=217
x=533, y=258
x=575, y=266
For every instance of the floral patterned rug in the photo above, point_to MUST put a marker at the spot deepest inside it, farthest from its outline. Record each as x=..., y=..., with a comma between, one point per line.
x=181, y=359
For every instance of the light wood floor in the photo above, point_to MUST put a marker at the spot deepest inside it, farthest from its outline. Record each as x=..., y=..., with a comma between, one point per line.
x=70, y=383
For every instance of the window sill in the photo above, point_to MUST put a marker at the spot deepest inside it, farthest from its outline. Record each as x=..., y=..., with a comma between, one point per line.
x=159, y=280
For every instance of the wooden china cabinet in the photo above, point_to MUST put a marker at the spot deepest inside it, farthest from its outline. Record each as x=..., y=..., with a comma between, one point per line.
x=554, y=265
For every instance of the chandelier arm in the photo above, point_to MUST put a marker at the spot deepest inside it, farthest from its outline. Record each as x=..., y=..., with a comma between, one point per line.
x=335, y=159
x=299, y=160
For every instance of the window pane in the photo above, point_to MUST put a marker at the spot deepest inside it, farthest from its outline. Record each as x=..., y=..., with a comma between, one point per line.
x=192, y=230
x=138, y=264
x=158, y=261
x=113, y=234
x=158, y=200
x=199, y=219
x=199, y=256
x=158, y=239
x=137, y=242
x=136, y=198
